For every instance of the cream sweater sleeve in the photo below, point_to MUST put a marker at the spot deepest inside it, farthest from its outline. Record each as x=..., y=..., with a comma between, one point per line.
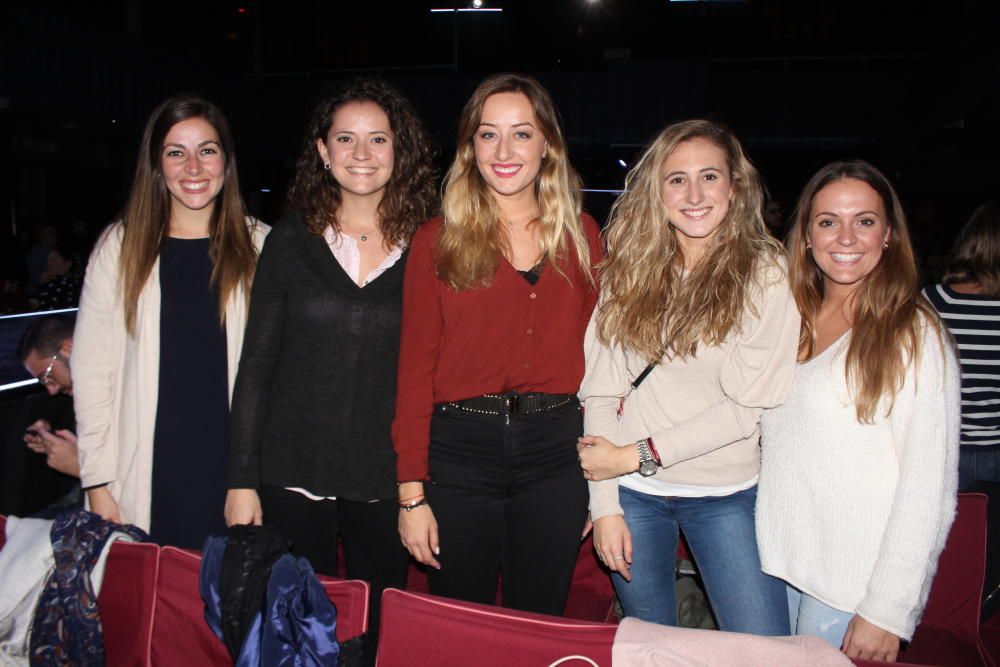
x=925, y=423
x=604, y=384
x=757, y=374
x=98, y=350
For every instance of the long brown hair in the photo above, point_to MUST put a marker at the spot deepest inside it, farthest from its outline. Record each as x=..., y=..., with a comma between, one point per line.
x=410, y=195
x=888, y=308
x=647, y=305
x=976, y=253
x=146, y=217
x=473, y=238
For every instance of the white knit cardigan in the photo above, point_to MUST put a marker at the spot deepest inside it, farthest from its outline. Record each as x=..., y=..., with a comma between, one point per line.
x=855, y=514
x=116, y=376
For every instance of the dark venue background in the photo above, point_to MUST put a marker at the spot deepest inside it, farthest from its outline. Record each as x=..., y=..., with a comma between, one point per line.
x=912, y=86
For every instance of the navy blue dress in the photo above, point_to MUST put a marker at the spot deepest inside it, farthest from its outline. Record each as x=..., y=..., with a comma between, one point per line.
x=191, y=440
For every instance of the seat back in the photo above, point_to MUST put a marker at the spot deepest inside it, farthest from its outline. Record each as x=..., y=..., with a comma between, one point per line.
x=181, y=637
x=420, y=629
x=350, y=597
x=127, y=602
x=948, y=633
x=591, y=593
x=957, y=592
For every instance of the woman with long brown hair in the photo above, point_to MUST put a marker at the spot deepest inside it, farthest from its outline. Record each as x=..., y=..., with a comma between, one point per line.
x=857, y=485
x=160, y=330
x=693, y=337
x=313, y=405
x=968, y=301
x=497, y=296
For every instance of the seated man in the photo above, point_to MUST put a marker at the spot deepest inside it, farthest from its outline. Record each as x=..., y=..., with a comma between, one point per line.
x=45, y=350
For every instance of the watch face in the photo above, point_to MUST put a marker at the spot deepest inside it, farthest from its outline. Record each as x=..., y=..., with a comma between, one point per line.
x=647, y=468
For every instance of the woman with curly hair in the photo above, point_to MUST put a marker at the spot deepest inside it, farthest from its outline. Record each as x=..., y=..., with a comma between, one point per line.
x=693, y=338
x=860, y=463
x=496, y=300
x=160, y=330
x=311, y=452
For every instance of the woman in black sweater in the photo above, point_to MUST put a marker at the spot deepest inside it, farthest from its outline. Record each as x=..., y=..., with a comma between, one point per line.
x=311, y=449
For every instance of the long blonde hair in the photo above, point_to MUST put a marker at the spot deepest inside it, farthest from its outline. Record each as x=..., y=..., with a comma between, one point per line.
x=888, y=307
x=473, y=238
x=146, y=218
x=648, y=306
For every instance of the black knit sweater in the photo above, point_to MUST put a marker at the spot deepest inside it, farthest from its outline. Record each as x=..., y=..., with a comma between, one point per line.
x=316, y=386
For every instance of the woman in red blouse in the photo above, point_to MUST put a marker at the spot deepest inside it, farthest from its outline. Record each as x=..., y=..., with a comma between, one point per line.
x=496, y=300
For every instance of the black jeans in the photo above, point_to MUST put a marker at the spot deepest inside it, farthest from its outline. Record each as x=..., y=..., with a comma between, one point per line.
x=508, y=495
x=368, y=531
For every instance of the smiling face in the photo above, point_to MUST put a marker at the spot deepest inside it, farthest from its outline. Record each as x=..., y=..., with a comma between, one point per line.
x=193, y=165
x=359, y=149
x=695, y=189
x=509, y=146
x=847, y=229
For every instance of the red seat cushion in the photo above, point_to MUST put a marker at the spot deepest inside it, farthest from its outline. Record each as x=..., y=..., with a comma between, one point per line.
x=127, y=600
x=181, y=637
x=428, y=630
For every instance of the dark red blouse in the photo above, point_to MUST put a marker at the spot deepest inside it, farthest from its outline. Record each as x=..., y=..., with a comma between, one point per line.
x=509, y=336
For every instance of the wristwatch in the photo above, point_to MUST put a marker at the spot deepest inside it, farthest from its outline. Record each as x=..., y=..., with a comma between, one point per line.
x=647, y=464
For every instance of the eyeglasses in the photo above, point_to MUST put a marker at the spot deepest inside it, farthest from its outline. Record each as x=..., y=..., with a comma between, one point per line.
x=46, y=377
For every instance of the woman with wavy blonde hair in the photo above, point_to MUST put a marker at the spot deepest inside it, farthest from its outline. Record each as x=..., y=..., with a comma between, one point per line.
x=495, y=304
x=694, y=336
x=860, y=464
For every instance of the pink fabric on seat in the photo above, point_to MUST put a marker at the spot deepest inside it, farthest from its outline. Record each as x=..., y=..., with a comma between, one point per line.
x=639, y=643
x=434, y=631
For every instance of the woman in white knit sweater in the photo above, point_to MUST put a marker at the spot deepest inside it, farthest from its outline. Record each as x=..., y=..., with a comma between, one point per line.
x=697, y=312
x=859, y=466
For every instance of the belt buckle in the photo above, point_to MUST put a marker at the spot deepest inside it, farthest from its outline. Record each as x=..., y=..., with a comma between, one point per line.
x=513, y=404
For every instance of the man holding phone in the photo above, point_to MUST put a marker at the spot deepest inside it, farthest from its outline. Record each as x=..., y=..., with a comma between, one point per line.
x=45, y=350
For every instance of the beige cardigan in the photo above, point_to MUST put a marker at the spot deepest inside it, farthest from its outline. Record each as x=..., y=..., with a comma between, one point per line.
x=116, y=376
x=702, y=412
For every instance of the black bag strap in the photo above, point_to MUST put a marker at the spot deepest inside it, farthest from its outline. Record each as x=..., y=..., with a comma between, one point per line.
x=644, y=374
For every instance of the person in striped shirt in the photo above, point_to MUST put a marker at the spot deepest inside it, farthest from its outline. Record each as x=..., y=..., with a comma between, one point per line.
x=968, y=299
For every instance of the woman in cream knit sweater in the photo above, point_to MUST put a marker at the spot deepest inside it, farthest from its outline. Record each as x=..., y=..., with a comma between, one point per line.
x=857, y=485
x=696, y=311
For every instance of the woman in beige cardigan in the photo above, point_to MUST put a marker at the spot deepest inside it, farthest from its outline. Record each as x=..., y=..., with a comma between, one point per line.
x=160, y=328
x=696, y=330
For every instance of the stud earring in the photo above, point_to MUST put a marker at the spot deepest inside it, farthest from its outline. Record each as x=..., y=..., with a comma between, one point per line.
x=885, y=245
x=326, y=165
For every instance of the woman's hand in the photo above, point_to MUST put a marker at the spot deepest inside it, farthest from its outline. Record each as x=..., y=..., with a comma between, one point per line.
x=613, y=544
x=600, y=459
x=243, y=508
x=104, y=505
x=870, y=642
x=418, y=529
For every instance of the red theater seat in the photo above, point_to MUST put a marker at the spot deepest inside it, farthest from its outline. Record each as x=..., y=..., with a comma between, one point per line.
x=948, y=633
x=182, y=637
x=127, y=601
x=427, y=630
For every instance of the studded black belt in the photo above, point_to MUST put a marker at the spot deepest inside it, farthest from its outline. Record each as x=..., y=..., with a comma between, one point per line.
x=512, y=403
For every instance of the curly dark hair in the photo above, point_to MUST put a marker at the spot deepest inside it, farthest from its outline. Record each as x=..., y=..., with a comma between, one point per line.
x=411, y=194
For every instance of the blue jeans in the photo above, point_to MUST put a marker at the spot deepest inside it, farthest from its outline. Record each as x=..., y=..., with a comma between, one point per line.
x=809, y=616
x=720, y=533
x=978, y=463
